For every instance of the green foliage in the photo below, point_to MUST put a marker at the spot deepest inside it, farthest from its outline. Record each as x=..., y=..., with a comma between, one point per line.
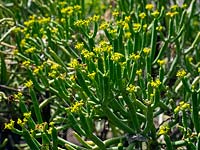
x=121, y=74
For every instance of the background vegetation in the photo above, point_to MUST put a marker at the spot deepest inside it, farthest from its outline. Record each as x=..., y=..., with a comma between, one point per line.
x=80, y=74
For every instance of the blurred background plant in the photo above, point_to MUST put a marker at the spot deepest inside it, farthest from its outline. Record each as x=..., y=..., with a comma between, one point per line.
x=82, y=74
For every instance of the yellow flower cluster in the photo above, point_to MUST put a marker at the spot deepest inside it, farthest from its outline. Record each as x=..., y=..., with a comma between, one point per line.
x=67, y=10
x=28, y=84
x=127, y=35
x=155, y=13
x=71, y=9
x=174, y=7
x=92, y=75
x=171, y=14
x=41, y=127
x=76, y=107
x=38, y=68
x=116, y=56
x=26, y=63
x=103, y=47
x=53, y=66
x=74, y=63
x=25, y=119
x=9, y=125
x=139, y=72
x=142, y=15
x=86, y=54
x=135, y=57
x=131, y=88
x=146, y=50
x=136, y=27
x=149, y=6
x=164, y=129
x=104, y=26
x=79, y=46
x=181, y=107
x=86, y=22
x=115, y=13
x=18, y=95
x=181, y=73
x=113, y=32
x=155, y=83
x=161, y=62
x=127, y=19
x=159, y=28
x=30, y=50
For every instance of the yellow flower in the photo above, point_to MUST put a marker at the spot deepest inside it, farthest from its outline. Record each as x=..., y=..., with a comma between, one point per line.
x=77, y=106
x=116, y=56
x=184, y=6
x=190, y=59
x=92, y=75
x=88, y=55
x=52, y=74
x=23, y=42
x=144, y=27
x=98, y=49
x=74, y=63
x=55, y=66
x=164, y=129
x=17, y=29
x=36, y=71
x=72, y=77
x=95, y=18
x=29, y=84
x=131, y=88
x=115, y=13
x=30, y=50
x=19, y=121
x=18, y=95
x=185, y=106
x=26, y=63
x=159, y=28
x=125, y=26
x=146, y=50
x=41, y=127
x=77, y=8
x=174, y=7
x=127, y=19
x=181, y=73
x=136, y=27
x=139, y=72
x=149, y=6
x=155, y=13
x=112, y=31
x=127, y=35
x=135, y=56
x=68, y=10
x=177, y=109
x=120, y=22
x=29, y=23
x=9, y=125
x=155, y=83
x=27, y=115
x=104, y=26
x=15, y=52
x=79, y=46
x=161, y=62
x=51, y=123
x=171, y=14
x=181, y=107
x=142, y=15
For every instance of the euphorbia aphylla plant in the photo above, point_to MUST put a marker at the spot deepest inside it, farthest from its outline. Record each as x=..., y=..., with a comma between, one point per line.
x=118, y=74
